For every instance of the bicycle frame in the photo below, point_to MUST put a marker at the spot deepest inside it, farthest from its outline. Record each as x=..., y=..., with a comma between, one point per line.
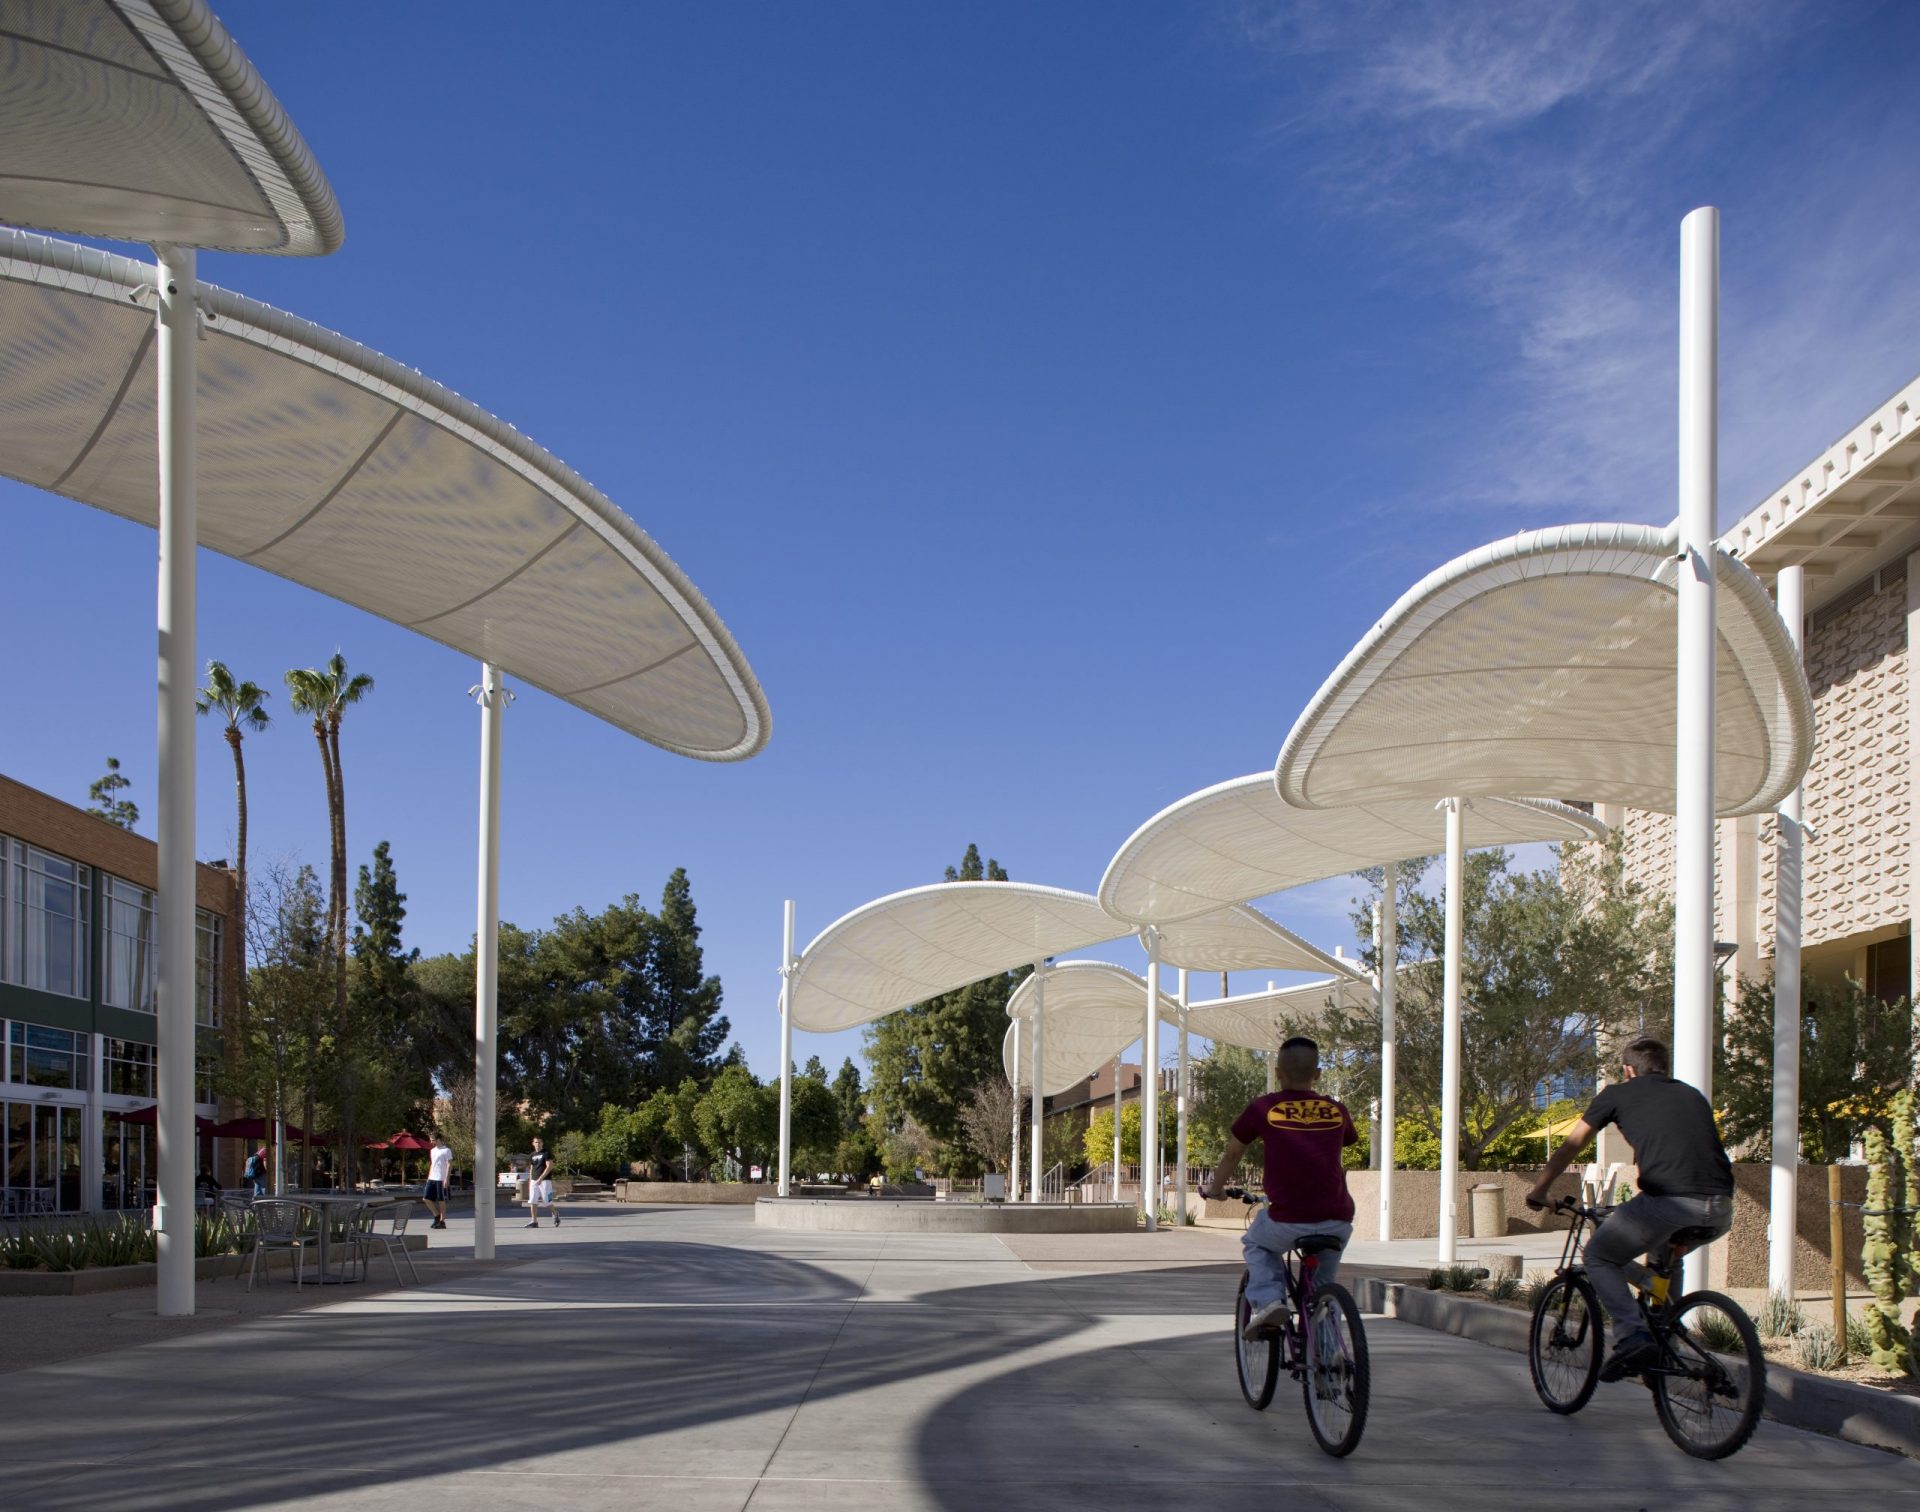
x=1652, y=1282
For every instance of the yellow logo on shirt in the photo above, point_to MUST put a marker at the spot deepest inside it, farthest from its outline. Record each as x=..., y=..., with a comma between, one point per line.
x=1305, y=1113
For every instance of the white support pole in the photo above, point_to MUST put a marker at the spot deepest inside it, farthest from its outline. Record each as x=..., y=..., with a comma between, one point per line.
x=1784, y=1184
x=1386, y=930
x=1273, y=1062
x=1693, y=825
x=1038, y=1113
x=1180, y=1116
x=1013, y=1165
x=486, y=949
x=174, y=909
x=785, y=1187
x=1450, y=1032
x=1150, y=1090
x=1116, y=1129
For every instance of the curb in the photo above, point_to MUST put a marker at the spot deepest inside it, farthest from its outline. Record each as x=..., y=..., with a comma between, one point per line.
x=1838, y=1409
x=106, y=1278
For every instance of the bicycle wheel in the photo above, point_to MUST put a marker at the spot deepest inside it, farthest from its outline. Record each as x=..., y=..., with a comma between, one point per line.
x=1337, y=1379
x=1257, y=1360
x=1711, y=1381
x=1563, y=1346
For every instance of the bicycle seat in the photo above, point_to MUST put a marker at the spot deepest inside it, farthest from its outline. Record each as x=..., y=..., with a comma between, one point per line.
x=1315, y=1244
x=1694, y=1236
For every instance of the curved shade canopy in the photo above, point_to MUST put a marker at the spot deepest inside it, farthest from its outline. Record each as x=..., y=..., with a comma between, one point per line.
x=1255, y=1020
x=339, y=469
x=1545, y=663
x=1094, y=1011
x=1240, y=839
x=143, y=120
x=1240, y=938
x=909, y=946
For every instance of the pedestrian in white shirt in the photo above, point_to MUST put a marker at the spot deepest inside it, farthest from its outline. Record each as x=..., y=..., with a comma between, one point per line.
x=439, y=1180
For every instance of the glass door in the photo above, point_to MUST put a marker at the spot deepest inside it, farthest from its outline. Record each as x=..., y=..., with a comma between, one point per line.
x=42, y=1158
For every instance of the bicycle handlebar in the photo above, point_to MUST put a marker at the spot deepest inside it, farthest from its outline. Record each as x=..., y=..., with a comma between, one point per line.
x=1251, y=1199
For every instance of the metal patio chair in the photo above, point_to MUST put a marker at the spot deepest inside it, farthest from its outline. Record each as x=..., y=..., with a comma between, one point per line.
x=279, y=1225
x=369, y=1232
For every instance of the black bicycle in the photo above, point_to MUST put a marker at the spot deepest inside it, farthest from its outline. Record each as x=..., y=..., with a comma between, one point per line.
x=1318, y=1340
x=1710, y=1380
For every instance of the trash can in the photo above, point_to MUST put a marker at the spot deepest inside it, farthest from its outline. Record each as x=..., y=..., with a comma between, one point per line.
x=1488, y=1202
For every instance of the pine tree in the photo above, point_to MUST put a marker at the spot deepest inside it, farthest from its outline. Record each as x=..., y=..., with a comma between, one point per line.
x=121, y=811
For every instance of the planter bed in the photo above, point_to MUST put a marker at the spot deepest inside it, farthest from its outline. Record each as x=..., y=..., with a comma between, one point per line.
x=106, y=1278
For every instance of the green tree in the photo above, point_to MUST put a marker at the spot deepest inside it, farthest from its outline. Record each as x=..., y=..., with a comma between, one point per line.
x=274, y=1061
x=380, y=1079
x=926, y=1060
x=816, y=1123
x=1098, y=1138
x=1225, y=1080
x=851, y=1095
x=242, y=707
x=105, y=802
x=739, y=1117
x=1856, y=1054
x=1556, y=963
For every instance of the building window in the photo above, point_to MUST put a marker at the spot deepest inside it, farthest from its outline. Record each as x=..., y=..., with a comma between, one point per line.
x=126, y=1067
x=1890, y=968
x=42, y=1057
x=208, y=945
x=48, y=903
x=129, y=959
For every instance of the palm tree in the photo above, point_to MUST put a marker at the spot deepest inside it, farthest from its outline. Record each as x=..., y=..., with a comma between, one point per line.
x=324, y=693
x=239, y=703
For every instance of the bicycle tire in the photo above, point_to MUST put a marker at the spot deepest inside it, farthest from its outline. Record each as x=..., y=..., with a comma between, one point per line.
x=1563, y=1353
x=1691, y=1418
x=1256, y=1361
x=1322, y=1381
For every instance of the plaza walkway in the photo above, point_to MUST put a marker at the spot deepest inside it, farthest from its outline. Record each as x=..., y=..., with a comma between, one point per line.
x=682, y=1359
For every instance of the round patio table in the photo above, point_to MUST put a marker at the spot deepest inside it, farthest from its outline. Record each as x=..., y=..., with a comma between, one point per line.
x=332, y=1208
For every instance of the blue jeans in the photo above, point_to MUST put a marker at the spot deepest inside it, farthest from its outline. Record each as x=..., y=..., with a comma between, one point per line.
x=1266, y=1241
x=1631, y=1230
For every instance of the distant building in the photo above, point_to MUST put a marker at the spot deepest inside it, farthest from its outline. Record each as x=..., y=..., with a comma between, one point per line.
x=1851, y=520
x=77, y=1004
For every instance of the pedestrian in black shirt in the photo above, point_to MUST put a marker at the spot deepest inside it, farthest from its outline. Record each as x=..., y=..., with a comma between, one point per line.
x=1685, y=1182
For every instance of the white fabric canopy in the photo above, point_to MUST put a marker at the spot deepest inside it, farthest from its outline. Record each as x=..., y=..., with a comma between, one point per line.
x=1094, y=1011
x=1240, y=938
x=339, y=469
x=143, y=120
x=1545, y=663
x=1240, y=839
x=1253, y=1020
x=909, y=946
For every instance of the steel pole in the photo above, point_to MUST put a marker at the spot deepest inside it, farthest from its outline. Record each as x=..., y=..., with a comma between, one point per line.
x=1693, y=975
x=1387, y=954
x=1783, y=1198
x=1180, y=1116
x=493, y=700
x=785, y=1187
x=1150, y=1089
x=1273, y=1062
x=1013, y=1165
x=1450, y=1032
x=1038, y=1113
x=178, y=341
x=1115, y=1184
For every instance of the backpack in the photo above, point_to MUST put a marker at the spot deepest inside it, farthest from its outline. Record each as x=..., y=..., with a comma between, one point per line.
x=253, y=1168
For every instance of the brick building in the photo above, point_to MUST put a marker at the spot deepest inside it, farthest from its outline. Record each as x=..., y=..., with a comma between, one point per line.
x=1851, y=521
x=77, y=1005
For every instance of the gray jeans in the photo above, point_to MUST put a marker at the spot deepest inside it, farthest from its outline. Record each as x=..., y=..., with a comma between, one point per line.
x=1634, y=1228
x=1266, y=1241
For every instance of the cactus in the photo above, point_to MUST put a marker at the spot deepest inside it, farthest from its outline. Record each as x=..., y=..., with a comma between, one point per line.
x=1909, y=1190
x=1880, y=1254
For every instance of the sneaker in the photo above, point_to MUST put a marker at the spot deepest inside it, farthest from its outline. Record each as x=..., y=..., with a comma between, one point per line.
x=1630, y=1356
x=1264, y=1318
x=534, y=1224
x=556, y=1220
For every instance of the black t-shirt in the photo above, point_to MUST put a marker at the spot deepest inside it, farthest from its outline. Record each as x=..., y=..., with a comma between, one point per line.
x=539, y=1165
x=1670, y=1126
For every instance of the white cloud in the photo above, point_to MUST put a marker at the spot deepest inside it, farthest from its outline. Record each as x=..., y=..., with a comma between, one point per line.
x=1534, y=161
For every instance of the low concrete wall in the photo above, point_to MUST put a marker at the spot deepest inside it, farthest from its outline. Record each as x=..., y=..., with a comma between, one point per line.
x=689, y=1193
x=910, y=1216
x=1416, y=1203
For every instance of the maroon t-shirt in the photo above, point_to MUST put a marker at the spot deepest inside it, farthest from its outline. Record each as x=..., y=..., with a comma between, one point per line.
x=1304, y=1134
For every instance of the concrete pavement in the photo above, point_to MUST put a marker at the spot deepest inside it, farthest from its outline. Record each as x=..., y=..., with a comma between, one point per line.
x=684, y=1359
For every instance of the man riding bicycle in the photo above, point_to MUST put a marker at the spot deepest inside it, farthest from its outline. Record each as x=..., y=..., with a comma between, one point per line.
x=1306, y=1186
x=1685, y=1182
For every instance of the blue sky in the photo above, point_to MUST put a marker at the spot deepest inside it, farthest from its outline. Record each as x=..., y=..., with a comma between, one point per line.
x=1046, y=396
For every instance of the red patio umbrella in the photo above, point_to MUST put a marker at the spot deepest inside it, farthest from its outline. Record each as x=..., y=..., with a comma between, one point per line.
x=251, y=1128
x=403, y=1142
x=150, y=1115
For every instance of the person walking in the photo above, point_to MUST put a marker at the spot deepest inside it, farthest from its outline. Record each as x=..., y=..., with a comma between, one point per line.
x=439, y=1179
x=540, y=1184
x=255, y=1174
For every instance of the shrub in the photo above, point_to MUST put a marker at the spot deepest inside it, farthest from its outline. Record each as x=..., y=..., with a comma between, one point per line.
x=1816, y=1348
x=1505, y=1288
x=1455, y=1278
x=1780, y=1317
x=1534, y=1286
x=1716, y=1331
